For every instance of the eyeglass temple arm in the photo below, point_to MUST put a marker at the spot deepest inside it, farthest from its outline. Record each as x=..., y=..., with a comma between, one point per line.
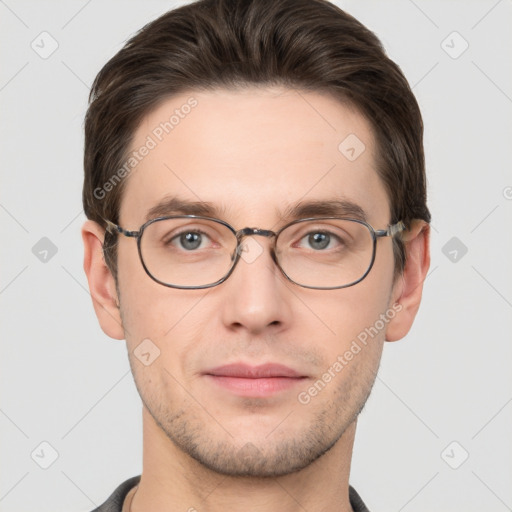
x=392, y=230
x=118, y=229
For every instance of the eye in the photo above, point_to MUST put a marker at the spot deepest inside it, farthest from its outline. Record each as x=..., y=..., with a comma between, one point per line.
x=320, y=240
x=189, y=240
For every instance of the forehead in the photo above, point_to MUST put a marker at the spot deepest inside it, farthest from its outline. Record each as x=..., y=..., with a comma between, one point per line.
x=251, y=154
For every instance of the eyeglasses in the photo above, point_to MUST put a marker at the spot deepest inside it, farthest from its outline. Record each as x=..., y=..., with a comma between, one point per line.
x=193, y=252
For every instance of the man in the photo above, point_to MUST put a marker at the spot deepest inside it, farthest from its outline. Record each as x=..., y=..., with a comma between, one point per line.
x=255, y=189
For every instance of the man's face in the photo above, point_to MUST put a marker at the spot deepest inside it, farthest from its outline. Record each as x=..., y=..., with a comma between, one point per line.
x=252, y=153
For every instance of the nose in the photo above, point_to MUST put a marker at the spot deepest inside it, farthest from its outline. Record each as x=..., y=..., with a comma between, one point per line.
x=257, y=295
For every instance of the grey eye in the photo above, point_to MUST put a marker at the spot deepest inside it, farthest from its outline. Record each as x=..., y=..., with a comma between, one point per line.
x=191, y=240
x=319, y=240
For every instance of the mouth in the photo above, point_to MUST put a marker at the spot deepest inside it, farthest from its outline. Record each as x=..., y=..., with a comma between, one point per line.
x=254, y=381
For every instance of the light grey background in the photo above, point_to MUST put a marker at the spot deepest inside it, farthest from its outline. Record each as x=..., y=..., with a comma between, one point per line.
x=65, y=383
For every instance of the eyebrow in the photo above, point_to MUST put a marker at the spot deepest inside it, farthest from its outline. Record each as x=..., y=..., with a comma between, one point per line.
x=325, y=208
x=173, y=205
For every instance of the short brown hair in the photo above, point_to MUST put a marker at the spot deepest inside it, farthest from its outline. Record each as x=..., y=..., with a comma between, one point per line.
x=304, y=44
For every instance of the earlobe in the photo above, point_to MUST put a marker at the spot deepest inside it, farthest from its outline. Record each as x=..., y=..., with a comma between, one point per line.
x=101, y=282
x=408, y=289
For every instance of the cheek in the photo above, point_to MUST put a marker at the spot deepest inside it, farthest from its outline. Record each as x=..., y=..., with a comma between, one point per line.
x=148, y=308
x=171, y=319
x=159, y=313
x=358, y=315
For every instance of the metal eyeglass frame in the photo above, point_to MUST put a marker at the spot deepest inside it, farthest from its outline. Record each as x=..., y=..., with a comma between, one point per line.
x=391, y=231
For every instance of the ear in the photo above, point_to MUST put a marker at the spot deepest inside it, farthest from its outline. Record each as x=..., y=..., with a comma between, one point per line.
x=409, y=287
x=101, y=281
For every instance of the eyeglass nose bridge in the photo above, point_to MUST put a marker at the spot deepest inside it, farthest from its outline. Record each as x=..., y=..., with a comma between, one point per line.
x=242, y=233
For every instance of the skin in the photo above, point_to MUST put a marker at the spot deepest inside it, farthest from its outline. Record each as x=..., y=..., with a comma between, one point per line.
x=252, y=152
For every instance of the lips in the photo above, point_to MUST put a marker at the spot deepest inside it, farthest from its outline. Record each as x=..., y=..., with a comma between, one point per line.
x=245, y=371
x=254, y=381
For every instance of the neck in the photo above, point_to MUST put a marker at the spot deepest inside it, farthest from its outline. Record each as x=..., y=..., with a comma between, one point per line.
x=172, y=480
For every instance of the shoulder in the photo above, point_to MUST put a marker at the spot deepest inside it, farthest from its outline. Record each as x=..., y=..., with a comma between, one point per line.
x=115, y=502
x=356, y=501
